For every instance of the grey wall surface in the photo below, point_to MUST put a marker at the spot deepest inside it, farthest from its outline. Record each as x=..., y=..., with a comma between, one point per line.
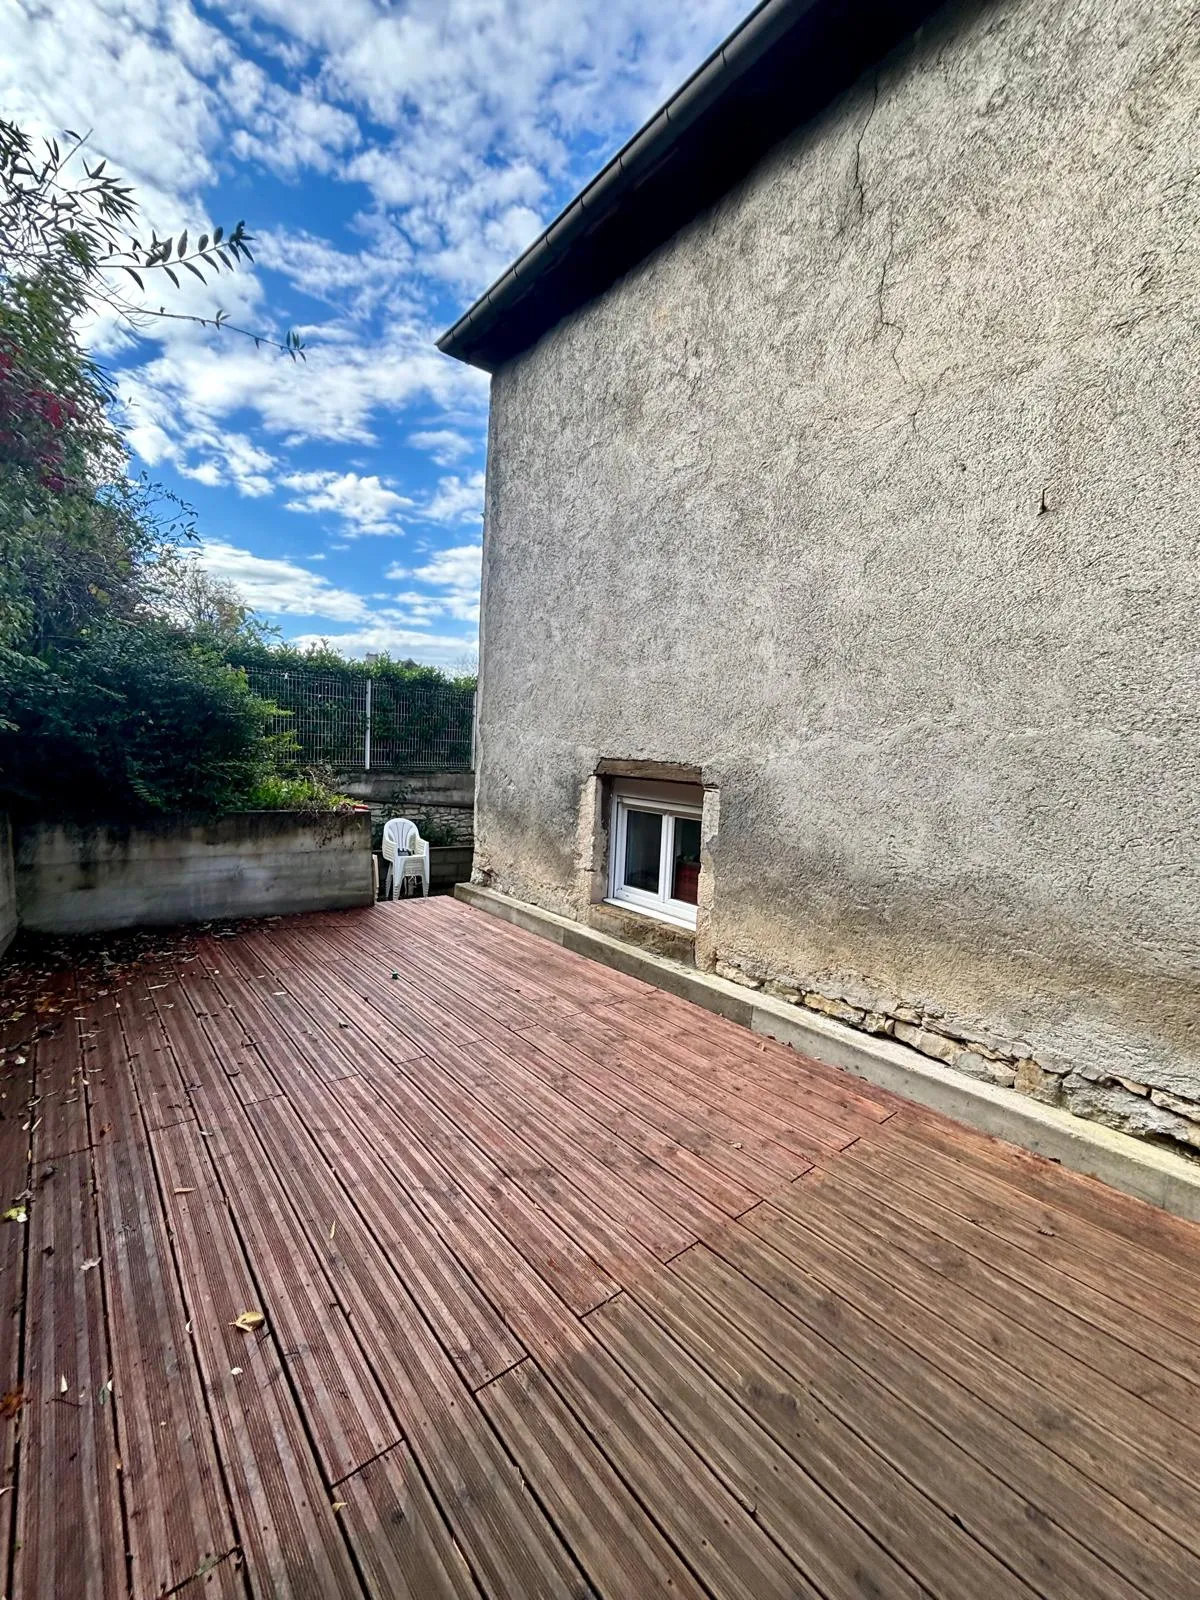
x=875, y=495
x=74, y=879
x=8, y=886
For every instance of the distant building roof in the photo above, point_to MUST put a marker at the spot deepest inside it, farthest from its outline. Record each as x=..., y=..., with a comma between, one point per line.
x=785, y=63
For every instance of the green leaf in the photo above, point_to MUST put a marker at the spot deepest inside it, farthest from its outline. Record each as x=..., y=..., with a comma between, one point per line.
x=171, y=274
x=203, y=245
x=135, y=277
x=181, y=247
x=218, y=235
x=196, y=270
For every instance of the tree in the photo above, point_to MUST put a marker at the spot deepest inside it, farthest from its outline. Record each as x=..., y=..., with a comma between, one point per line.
x=116, y=698
x=184, y=592
x=81, y=227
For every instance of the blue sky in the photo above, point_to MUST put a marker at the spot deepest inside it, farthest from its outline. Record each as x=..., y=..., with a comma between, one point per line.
x=391, y=159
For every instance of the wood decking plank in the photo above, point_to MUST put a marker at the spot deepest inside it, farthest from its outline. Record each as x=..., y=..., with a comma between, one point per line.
x=59, y=1122
x=634, y=1103
x=605, y=1174
x=1149, y=1362
x=178, y=1516
x=1060, y=1372
x=290, y=1538
x=993, y=1416
x=503, y=1272
x=398, y=1111
x=69, y=1536
x=1129, y=1266
x=792, y=1146
x=1044, y=1235
x=1139, y=1223
x=17, y=1087
x=403, y=1547
x=435, y=1187
x=634, y=1130
x=1052, y=1528
x=744, y=1152
x=809, y=1121
x=698, y=1512
x=926, y=1538
x=344, y=1407
x=616, y=1249
x=775, y=1066
x=511, y=1547
x=617, y=1545
x=840, y=1558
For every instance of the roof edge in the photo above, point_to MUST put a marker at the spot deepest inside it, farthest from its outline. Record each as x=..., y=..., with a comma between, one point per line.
x=736, y=55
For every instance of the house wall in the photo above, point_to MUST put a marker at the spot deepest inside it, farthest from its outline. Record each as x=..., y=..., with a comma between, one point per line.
x=874, y=496
x=75, y=879
x=8, y=886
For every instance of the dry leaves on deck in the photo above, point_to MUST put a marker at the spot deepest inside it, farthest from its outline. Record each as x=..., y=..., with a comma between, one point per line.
x=248, y=1321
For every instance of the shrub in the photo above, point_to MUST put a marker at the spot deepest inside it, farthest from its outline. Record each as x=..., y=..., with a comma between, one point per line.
x=305, y=791
x=130, y=720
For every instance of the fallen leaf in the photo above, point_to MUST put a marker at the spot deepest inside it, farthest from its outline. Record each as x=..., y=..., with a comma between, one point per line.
x=62, y=1384
x=235, y=1372
x=16, y=1214
x=183, y=1191
x=332, y=1230
x=11, y=1402
x=87, y=1266
x=248, y=1321
x=340, y=1505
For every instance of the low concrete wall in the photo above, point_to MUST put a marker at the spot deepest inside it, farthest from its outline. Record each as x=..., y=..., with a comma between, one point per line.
x=8, y=886
x=449, y=864
x=72, y=879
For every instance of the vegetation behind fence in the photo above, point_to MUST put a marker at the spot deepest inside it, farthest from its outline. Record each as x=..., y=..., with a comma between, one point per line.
x=358, y=718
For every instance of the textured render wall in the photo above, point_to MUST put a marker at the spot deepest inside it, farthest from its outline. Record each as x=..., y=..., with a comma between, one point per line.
x=875, y=495
x=8, y=886
x=253, y=864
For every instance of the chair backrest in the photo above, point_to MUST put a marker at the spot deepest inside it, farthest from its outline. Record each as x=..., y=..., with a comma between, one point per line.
x=398, y=836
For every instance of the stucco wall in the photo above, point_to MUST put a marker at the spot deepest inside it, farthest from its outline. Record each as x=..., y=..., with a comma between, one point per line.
x=73, y=879
x=8, y=887
x=875, y=495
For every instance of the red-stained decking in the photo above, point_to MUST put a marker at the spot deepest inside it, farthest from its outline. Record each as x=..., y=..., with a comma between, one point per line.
x=570, y=1288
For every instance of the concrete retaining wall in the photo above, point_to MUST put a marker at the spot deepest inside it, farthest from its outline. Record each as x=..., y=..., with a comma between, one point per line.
x=8, y=887
x=72, y=879
x=446, y=797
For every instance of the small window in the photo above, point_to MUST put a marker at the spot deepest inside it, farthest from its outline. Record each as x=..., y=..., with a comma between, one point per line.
x=655, y=852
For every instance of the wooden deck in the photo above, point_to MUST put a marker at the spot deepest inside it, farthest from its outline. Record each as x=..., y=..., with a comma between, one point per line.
x=569, y=1289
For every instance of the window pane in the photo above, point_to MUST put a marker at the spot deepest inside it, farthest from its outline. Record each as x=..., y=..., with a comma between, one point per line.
x=685, y=872
x=643, y=842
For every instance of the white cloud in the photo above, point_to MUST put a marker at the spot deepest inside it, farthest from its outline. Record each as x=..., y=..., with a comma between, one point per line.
x=394, y=639
x=280, y=588
x=453, y=575
x=456, y=499
x=365, y=503
x=445, y=445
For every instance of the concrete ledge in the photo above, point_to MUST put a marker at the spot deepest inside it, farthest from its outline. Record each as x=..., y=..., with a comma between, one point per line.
x=1144, y=1170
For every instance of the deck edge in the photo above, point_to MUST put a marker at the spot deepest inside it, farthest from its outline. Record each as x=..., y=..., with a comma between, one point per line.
x=1146, y=1171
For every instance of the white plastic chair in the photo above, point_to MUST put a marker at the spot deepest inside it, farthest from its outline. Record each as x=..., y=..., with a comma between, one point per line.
x=406, y=854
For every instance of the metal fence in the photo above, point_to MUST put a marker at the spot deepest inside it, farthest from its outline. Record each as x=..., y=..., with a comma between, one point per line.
x=356, y=720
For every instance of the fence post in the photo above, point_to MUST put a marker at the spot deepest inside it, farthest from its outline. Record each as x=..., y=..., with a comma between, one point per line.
x=367, y=740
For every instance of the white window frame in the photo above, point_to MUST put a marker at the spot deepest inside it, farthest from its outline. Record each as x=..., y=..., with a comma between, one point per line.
x=662, y=906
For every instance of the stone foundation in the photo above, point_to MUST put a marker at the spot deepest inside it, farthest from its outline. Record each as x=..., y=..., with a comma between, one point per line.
x=1120, y=1103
